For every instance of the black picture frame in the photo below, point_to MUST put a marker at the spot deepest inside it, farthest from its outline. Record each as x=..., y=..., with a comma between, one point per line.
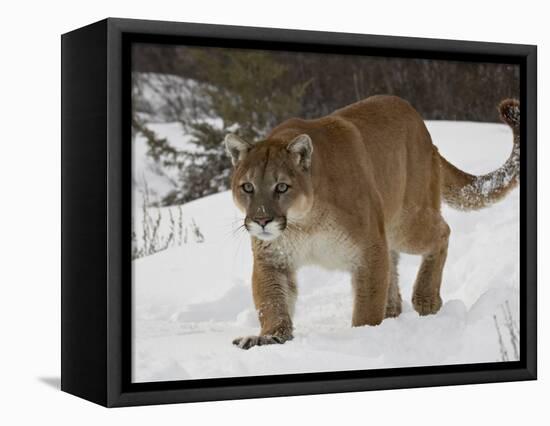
x=96, y=172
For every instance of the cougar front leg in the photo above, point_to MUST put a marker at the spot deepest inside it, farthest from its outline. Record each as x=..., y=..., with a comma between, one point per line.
x=274, y=292
x=371, y=281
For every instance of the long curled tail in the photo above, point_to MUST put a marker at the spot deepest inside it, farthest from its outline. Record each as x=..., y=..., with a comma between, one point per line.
x=464, y=191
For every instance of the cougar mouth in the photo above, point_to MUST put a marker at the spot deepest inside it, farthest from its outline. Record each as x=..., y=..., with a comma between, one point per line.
x=269, y=232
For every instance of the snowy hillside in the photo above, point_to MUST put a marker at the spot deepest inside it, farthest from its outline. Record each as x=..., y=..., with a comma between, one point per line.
x=190, y=301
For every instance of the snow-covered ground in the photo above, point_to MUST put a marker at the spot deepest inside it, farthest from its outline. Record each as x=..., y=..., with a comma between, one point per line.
x=191, y=301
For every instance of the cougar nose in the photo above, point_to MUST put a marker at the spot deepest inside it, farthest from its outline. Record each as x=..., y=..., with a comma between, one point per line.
x=262, y=221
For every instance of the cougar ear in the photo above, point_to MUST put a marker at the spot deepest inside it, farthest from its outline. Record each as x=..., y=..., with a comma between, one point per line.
x=236, y=147
x=302, y=147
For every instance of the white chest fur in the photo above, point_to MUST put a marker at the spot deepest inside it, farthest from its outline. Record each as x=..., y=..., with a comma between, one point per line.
x=330, y=249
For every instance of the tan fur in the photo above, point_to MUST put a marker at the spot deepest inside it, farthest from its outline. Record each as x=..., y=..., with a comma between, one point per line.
x=365, y=183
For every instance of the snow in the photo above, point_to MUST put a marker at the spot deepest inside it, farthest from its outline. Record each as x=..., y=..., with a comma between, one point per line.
x=191, y=301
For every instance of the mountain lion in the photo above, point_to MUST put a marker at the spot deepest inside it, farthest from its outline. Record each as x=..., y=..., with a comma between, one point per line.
x=350, y=191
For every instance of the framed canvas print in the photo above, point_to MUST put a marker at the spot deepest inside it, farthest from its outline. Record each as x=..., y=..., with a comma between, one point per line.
x=254, y=212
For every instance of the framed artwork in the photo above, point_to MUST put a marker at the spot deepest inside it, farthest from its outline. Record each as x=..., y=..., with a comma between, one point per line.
x=254, y=212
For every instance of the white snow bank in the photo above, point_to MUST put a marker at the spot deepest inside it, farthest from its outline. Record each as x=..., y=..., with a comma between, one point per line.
x=191, y=301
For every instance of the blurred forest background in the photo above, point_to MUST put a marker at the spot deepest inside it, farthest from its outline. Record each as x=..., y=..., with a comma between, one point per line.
x=200, y=94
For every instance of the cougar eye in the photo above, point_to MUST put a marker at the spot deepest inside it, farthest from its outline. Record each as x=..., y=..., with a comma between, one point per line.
x=248, y=187
x=281, y=187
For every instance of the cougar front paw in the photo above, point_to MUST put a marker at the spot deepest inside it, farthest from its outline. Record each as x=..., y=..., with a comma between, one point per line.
x=393, y=309
x=247, y=342
x=427, y=305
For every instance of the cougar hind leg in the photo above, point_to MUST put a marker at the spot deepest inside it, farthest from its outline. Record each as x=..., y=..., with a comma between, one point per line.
x=426, y=297
x=393, y=305
x=424, y=232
